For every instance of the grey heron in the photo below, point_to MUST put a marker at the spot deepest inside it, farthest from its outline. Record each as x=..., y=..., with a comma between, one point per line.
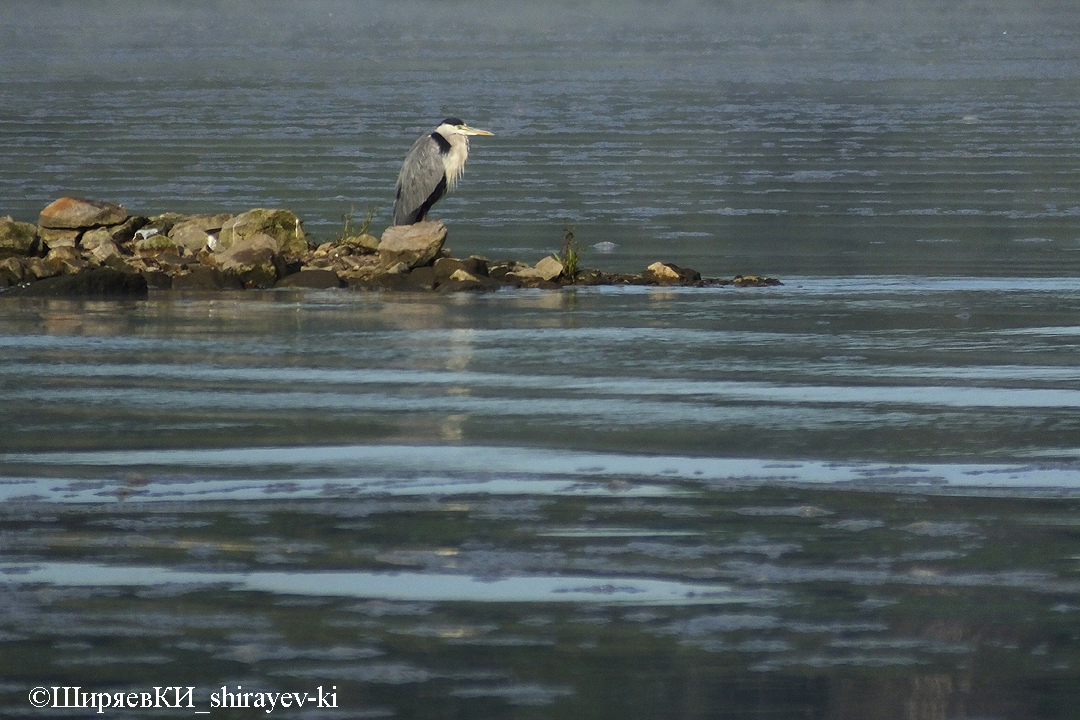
x=431, y=169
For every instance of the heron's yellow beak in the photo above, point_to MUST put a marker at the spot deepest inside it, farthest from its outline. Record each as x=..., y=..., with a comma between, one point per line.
x=472, y=131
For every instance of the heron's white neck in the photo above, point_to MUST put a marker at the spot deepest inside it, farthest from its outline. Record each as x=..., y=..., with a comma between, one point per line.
x=454, y=161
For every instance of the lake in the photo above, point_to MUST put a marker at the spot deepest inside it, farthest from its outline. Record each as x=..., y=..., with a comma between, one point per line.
x=854, y=495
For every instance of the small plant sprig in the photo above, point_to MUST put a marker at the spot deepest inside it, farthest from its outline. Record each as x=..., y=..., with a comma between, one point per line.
x=366, y=225
x=347, y=219
x=569, y=255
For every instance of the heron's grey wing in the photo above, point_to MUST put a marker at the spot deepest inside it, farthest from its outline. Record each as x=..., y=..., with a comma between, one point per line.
x=422, y=181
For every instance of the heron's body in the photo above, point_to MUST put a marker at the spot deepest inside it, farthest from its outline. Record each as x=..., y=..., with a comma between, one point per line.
x=431, y=169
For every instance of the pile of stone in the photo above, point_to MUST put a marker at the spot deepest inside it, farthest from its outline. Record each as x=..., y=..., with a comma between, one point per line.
x=85, y=247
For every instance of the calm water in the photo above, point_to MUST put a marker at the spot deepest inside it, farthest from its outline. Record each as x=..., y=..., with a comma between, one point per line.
x=856, y=495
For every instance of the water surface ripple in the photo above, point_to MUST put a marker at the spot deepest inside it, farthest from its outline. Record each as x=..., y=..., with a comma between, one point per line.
x=816, y=488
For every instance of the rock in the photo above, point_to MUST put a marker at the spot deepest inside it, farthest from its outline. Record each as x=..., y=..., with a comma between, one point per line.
x=38, y=269
x=97, y=283
x=477, y=264
x=446, y=267
x=92, y=239
x=253, y=258
x=398, y=268
x=280, y=225
x=464, y=281
x=154, y=245
x=104, y=251
x=172, y=263
x=66, y=260
x=414, y=245
x=547, y=270
x=108, y=255
x=202, y=277
x=116, y=234
x=76, y=213
x=423, y=277
x=671, y=274
x=12, y=272
x=17, y=238
x=53, y=238
x=663, y=273
x=160, y=224
x=360, y=243
x=591, y=278
x=190, y=236
x=362, y=267
x=157, y=280
x=196, y=231
x=503, y=270
x=463, y=276
x=381, y=282
x=755, y=281
x=315, y=279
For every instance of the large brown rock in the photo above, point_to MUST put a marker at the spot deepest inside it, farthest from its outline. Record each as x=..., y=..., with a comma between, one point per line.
x=254, y=259
x=75, y=213
x=281, y=225
x=414, y=245
x=16, y=238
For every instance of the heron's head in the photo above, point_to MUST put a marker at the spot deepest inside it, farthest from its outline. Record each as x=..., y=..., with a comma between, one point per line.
x=457, y=126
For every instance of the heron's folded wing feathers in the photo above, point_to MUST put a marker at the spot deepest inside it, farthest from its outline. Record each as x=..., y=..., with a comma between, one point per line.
x=422, y=176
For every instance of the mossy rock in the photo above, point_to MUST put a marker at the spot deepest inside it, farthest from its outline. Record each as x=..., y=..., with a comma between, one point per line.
x=17, y=239
x=282, y=225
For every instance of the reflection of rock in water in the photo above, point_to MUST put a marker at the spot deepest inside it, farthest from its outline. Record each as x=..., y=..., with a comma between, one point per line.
x=452, y=427
x=931, y=696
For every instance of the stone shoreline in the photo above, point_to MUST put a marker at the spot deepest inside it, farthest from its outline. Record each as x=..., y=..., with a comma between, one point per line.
x=92, y=248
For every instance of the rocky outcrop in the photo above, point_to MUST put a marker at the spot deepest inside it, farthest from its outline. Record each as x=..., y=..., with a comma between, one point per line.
x=265, y=248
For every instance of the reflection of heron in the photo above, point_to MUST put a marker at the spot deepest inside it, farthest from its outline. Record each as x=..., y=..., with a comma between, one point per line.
x=432, y=168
